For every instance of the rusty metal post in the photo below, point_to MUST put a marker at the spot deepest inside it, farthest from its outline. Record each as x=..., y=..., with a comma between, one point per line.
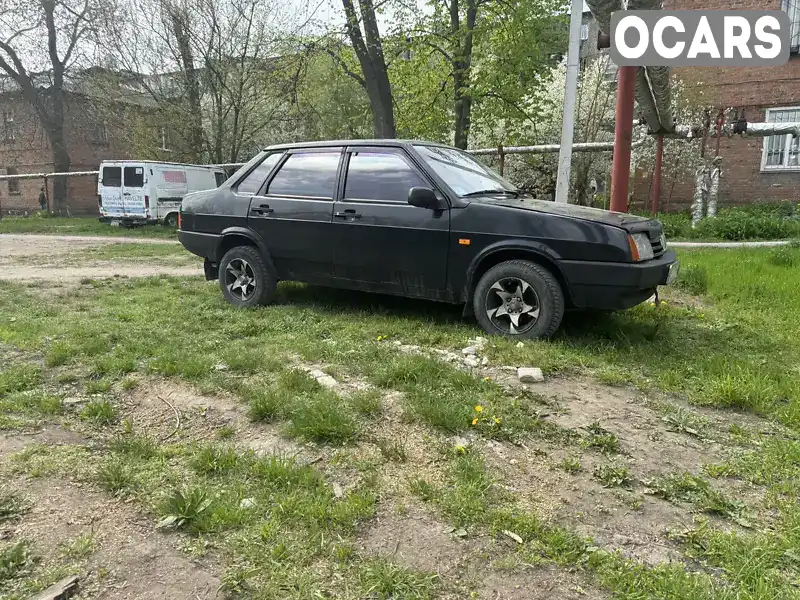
x=502, y=156
x=655, y=191
x=621, y=171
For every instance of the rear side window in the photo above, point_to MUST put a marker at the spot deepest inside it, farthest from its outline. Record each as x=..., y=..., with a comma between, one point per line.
x=380, y=176
x=253, y=182
x=112, y=176
x=311, y=175
x=134, y=176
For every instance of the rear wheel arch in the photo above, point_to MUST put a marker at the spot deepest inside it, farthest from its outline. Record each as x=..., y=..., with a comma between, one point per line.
x=514, y=253
x=232, y=239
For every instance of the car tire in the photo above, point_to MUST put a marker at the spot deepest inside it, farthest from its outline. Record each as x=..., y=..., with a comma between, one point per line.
x=519, y=299
x=245, y=279
x=171, y=220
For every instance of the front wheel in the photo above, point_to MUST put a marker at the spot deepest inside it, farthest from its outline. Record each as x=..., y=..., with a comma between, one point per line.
x=171, y=220
x=245, y=279
x=519, y=298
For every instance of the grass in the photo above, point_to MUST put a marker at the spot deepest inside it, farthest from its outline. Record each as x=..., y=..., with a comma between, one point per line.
x=79, y=226
x=284, y=529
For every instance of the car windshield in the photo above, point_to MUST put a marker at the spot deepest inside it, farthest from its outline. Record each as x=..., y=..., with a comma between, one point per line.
x=465, y=175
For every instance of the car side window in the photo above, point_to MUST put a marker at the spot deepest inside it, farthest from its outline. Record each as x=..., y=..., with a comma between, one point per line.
x=383, y=176
x=311, y=174
x=253, y=182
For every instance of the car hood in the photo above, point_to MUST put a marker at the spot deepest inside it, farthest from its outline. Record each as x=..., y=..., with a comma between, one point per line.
x=565, y=210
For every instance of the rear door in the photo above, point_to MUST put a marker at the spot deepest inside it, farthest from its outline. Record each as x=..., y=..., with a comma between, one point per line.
x=110, y=190
x=382, y=242
x=134, y=193
x=292, y=211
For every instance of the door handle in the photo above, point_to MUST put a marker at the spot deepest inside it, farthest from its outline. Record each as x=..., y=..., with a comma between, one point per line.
x=263, y=209
x=347, y=214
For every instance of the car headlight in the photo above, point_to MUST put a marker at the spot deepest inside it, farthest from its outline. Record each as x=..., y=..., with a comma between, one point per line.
x=641, y=248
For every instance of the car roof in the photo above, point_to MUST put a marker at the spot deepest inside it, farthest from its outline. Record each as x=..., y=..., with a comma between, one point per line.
x=389, y=143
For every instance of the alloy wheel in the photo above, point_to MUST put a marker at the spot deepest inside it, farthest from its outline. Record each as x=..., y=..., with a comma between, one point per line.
x=240, y=279
x=512, y=305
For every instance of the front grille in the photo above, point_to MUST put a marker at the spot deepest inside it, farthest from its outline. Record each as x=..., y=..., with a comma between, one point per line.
x=657, y=241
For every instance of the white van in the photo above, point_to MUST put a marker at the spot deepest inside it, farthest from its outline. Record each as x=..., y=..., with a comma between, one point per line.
x=136, y=192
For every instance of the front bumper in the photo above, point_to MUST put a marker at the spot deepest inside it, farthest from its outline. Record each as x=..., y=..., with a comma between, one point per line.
x=617, y=286
x=128, y=221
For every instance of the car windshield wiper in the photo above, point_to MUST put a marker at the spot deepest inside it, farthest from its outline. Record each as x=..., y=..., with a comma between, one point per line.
x=511, y=193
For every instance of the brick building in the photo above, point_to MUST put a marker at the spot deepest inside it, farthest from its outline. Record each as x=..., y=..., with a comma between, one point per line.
x=754, y=169
x=97, y=117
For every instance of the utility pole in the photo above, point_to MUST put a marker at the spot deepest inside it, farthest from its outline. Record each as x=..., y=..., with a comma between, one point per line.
x=623, y=135
x=570, y=98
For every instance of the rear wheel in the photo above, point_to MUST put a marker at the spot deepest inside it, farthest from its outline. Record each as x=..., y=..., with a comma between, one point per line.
x=519, y=298
x=171, y=220
x=245, y=279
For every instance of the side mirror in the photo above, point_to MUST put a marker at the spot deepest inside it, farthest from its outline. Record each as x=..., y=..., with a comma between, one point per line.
x=423, y=198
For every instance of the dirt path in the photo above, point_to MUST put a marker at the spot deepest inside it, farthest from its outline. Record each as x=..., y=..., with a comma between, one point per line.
x=63, y=259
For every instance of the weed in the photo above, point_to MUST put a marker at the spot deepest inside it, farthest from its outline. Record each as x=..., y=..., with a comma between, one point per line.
x=129, y=383
x=98, y=386
x=693, y=279
x=384, y=580
x=422, y=488
x=185, y=508
x=139, y=446
x=612, y=475
x=59, y=354
x=101, y=412
x=115, y=476
x=12, y=506
x=392, y=450
x=213, y=459
x=570, y=465
x=366, y=402
x=16, y=560
x=686, y=487
x=80, y=547
x=18, y=378
x=601, y=439
x=226, y=432
x=265, y=404
x=323, y=418
x=685, y=421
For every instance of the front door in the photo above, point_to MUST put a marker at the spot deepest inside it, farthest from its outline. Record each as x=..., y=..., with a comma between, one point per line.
x=382, y=242
x=292, y=212
x=111, y=191
x=133, y=191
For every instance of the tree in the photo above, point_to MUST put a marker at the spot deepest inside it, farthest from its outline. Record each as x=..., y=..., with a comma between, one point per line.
x=40, y=41
x=374, y=77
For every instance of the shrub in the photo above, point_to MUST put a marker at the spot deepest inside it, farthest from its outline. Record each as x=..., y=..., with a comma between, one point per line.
x=738, y=224
x=675, y=225
x=693, y=280
x=783, y=257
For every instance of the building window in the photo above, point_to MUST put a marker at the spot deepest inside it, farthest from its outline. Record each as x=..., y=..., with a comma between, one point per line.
x=100, y=133
x=165, y=140
x=13, y=184
x=9, y=132
x=792, y=8
x=782, y=152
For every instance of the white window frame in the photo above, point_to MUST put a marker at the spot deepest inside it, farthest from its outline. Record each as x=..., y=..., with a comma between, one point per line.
x=165, y=139
x=785, y=167
x=791, y=8
x=9, y=130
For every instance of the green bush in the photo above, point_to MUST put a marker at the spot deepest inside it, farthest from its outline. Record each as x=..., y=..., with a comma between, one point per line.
x=738, y=224
x=693, y=280
x=676, y=225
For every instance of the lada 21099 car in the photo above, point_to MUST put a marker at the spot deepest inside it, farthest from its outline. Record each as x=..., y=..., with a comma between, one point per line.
x=420, y=220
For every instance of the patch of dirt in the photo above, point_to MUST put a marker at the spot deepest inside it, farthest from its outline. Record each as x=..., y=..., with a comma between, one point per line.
x=51, y=435
x=538, y=583
x=129, y=560
x=150, y=407
x=418, y=541
x=46, y=258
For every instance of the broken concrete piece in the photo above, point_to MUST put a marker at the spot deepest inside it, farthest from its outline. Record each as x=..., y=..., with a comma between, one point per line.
x=530, y=375
x=247, y=503
x=61, y=590
x=323, y=378
x=469, y=350
x=471, y=361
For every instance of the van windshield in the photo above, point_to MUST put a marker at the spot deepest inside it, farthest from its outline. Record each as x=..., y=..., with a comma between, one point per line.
x=134, y=176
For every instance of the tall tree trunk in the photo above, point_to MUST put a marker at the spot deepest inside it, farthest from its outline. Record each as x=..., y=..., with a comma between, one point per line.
x=180, y=30
x=462, y=63
x=369, y=50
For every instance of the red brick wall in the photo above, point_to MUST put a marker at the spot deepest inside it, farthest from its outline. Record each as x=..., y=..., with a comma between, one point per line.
x=749, y=88
x=30, y=153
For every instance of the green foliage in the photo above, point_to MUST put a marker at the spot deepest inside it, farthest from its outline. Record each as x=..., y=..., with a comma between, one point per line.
x=12, y=506
x=612, y=475
x=18, y=378
x=385, y=580
x=743, y=224
x=686, y=487
x=693, y=279
x=16, y=560
x=784, y=256
x=101, y=412
x=185, y=507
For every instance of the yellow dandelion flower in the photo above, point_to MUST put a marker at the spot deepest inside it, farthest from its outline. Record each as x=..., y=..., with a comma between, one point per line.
x=652, y=304
x=497, y=420
x=478, y=408
x=475, y=421
x=487, y=378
